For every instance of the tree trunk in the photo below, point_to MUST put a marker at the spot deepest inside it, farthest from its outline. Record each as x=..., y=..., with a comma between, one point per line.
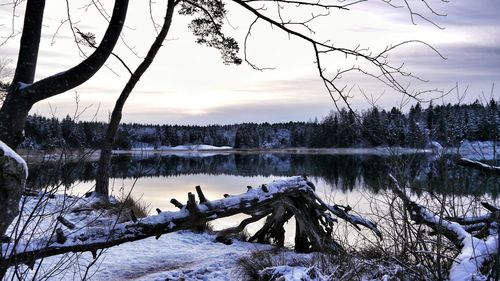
x=13, y=175
x=13, y=116
x=30, y=43
x=486, y=168
x=24, y=93
x=102, y=178
x=16, y=105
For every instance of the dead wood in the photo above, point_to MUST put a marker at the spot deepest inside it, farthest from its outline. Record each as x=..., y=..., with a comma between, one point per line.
x=476, y=237
x=278, y=201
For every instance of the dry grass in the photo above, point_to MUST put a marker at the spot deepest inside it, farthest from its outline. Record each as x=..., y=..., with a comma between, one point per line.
x=345, y=266
x=250, y=266
x=139, y=207
x=123, y=208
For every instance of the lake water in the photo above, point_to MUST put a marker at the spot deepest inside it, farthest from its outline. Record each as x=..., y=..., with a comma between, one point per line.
x=356, y=180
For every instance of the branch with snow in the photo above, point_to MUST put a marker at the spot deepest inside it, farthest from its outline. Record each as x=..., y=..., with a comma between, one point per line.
x=479, y=165
x=279, y=201
x=475, y=237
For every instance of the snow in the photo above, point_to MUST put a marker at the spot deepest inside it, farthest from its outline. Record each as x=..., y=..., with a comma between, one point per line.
x=175, y=256
x=475, y=251
x=437, y=148
x=474, y=254
x=195, y=147
x=481, y=164
x=22, y=85
x=480, y=150
x=181, y=255
x=292, y=273
x=187, y=147
x=12, y=154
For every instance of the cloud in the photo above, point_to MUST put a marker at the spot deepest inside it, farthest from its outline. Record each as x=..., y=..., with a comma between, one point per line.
x=467, y=63
x=472, y=13
x=187, y=83
x=249, y=112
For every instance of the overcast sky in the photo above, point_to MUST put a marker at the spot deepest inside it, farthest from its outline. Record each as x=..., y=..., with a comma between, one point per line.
x=189, y=84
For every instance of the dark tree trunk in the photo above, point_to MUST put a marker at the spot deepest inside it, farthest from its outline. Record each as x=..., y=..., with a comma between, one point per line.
x=24, y=93
x=102, y=178
x=12, y=181
x=16, y=105
x=30, y=43
x=13, y=116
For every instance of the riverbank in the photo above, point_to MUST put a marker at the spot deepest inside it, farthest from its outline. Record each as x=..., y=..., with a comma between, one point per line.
x=72, y=155
x=486, y=150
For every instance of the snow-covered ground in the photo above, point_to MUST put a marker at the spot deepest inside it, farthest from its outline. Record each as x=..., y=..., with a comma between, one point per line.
x=189, y=147
x=480, y=150
x=175, y=256
x=182, y=255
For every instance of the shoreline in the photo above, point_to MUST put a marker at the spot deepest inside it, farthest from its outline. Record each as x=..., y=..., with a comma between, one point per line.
x=38, y=156
x=290, y=150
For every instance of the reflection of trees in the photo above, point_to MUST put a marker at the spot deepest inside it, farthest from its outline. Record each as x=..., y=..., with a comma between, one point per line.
x=445, y=176
x=344, y=172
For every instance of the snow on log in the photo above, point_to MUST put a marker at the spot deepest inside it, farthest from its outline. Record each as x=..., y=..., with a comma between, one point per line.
x=478, y=245
x=290, y=273
x=279, y=201
x=479, y=165
x=13, y=174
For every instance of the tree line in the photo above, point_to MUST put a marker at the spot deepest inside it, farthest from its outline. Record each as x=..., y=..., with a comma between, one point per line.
x=448, y=124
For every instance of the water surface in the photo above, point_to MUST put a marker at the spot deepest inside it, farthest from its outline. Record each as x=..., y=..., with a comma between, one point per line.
x=355, y=180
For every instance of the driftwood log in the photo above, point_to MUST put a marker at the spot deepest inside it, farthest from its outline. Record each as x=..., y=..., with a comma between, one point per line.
x=279, y=201
x=476, y=238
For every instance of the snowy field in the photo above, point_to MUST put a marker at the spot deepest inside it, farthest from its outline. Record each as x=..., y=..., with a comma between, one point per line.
x=175, y=256
x=182, y=255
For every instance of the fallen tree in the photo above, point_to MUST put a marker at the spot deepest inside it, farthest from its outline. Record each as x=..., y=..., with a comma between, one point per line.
x=278, y=201
x=476, y=237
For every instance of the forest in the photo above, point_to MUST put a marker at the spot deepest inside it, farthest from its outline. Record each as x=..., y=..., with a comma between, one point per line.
x=448, y=124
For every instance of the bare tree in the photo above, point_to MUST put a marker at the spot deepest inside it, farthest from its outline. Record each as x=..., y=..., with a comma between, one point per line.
x=102, y=179
x=207, y=26
x=24, y=92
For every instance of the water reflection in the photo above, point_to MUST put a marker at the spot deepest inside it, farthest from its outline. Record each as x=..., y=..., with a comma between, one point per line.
x=345, y=173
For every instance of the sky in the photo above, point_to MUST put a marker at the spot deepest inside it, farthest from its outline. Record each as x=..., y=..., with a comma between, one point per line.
x=189, y=84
